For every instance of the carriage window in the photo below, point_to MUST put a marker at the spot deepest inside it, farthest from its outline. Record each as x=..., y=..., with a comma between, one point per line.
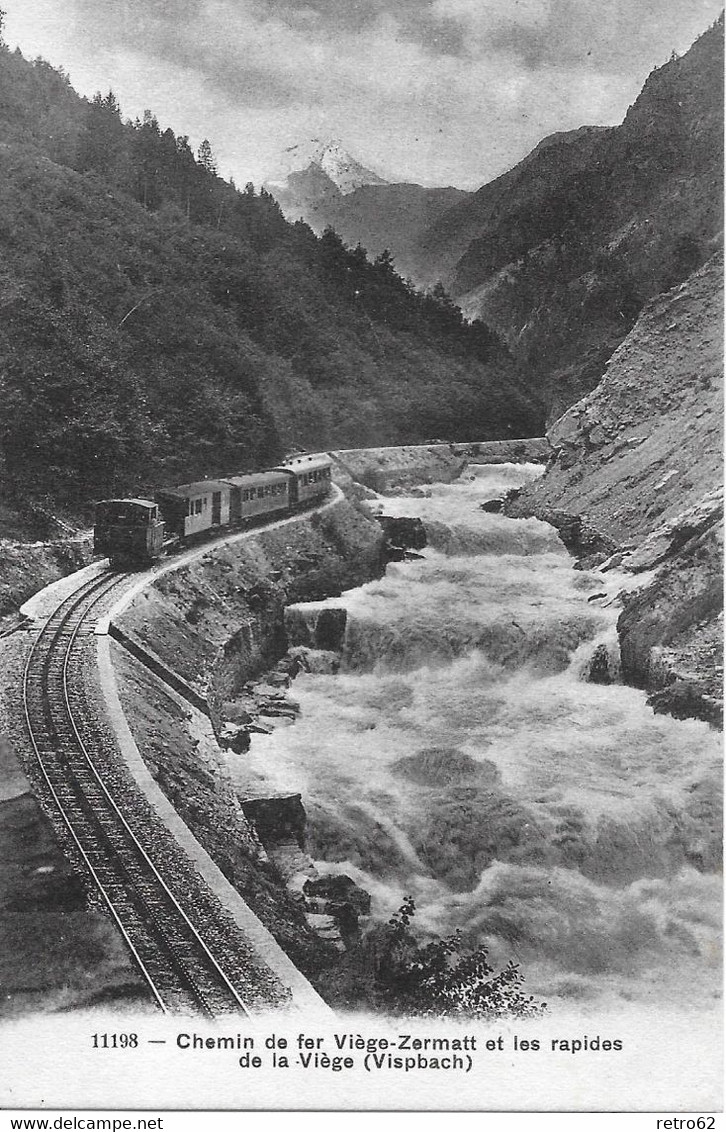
x=197, y=506
x=260, y=493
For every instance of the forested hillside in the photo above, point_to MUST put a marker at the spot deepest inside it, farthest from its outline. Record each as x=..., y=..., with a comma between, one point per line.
x=158, y=324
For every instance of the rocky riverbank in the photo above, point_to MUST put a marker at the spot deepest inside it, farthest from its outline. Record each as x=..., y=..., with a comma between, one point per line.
x=635, y=482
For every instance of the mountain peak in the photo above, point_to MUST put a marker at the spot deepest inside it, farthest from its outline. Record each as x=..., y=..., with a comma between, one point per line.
x=344, y=171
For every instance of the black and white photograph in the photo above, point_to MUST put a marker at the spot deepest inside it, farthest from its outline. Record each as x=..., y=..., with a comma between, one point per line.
x=361, y=558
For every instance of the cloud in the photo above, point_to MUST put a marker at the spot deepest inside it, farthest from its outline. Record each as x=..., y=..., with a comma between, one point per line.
x=618, y=35
x=416, y=20
x=481, y=16
x=439, y=91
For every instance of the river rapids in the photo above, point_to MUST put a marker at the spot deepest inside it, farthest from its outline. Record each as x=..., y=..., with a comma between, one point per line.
x=461, y=756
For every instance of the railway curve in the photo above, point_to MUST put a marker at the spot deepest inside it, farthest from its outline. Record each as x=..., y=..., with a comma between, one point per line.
x=192, y=957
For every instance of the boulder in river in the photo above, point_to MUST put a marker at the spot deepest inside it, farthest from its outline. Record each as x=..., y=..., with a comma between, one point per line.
x=234, y=737
x=338, y=889
x=330, y=629
x=400, y=531
x=277, y=818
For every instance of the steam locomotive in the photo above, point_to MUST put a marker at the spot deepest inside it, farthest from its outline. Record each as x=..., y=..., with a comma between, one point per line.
x=136, y=532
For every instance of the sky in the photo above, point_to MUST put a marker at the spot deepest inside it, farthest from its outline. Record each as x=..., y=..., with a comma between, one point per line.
x=434, y=91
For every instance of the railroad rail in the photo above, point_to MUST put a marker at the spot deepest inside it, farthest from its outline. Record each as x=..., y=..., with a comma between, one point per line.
x=190, y=966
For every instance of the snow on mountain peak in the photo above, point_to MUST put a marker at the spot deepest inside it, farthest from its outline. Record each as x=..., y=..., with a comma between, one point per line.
x=342, y=169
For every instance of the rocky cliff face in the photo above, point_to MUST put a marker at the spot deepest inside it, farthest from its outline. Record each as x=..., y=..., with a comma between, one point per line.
x=638, y=464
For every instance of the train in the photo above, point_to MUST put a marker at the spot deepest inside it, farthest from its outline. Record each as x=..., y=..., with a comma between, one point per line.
x=137, y=532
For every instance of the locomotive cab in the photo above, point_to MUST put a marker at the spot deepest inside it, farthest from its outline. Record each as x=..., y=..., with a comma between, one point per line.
x=128, y=531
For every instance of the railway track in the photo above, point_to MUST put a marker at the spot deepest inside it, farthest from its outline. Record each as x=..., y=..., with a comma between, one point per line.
x=189, y=967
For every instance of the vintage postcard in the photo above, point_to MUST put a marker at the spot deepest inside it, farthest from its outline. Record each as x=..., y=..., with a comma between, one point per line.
x=361, y=579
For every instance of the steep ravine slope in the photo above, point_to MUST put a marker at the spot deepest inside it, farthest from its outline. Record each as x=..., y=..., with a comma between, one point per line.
x=636, y=475
x=562, y=251
x=527, y=185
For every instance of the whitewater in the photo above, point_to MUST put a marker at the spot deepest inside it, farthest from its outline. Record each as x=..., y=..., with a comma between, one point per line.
x=456, y=752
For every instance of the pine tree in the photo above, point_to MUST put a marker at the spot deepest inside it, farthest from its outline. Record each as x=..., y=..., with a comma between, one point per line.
x=206, y=158
x=102, y=144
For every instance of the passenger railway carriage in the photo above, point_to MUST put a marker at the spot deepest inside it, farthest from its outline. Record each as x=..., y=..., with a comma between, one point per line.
x=309, y=476
x=132, y=531
x=258, y=494
x=195, y=507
